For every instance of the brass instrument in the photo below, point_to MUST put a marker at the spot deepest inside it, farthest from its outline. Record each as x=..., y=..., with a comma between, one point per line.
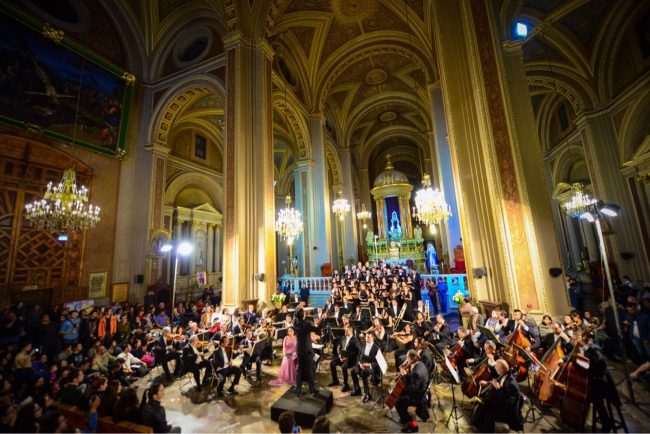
x=399, y=317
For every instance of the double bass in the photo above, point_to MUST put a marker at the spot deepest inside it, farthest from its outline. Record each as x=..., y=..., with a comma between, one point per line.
x=572, y=383
x=397, y=389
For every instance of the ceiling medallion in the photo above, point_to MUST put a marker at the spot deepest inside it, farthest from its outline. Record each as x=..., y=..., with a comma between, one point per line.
x=388, y=116
x=351, y=9
x=376, y=76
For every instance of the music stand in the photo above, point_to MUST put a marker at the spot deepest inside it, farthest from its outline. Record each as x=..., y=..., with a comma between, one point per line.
x=281, y=333
x=531, y=409
x=486, y=331
x=456, y=412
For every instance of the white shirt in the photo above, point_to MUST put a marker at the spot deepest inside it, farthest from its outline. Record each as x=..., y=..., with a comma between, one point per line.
x=225, y=357
x=366, y=350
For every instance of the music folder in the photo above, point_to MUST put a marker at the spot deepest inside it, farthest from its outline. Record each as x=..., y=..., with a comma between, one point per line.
x=281, y=333
x=338, y=332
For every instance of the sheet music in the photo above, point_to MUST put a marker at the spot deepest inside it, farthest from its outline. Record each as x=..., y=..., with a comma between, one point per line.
x=317, y=346
x=381, y=361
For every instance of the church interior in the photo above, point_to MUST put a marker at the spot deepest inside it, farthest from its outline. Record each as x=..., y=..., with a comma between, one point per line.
x=161, y=159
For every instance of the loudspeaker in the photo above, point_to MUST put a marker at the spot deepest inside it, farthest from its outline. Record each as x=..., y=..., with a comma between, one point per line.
x=555, y=271
x=627, y=255
x=480, y=272
x=139, y=278
x=259, y=277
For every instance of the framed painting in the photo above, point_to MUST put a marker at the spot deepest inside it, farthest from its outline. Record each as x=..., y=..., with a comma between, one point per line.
x=55, y=87
x=97, y=284
x=120, y=292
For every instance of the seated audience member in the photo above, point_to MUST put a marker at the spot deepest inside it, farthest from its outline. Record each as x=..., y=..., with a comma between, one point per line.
x=153, y=413
x=73, y=391
x=287, y=423
x=127, y=407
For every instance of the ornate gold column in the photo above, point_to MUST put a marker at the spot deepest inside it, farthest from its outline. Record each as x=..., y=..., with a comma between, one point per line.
x=405, y=217
x=381, y=218
x=249, y=217
x=503, y=229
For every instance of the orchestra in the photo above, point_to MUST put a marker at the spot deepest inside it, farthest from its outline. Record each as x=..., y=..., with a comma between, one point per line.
x=373, y=311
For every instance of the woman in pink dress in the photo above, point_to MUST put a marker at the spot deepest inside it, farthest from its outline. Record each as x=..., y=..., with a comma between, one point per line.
x=288, y=367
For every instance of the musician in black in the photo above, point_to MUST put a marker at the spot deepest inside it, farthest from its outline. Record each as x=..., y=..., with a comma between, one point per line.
x=367, y=367
x=250, y=317
x=501, y=401
x=224, y=367
x=163, y=354
x=421, y=327
x=193, y=358
x=489, y=356
x=557, y=333
x=424, y=353
x=467, y=350
x=441, y=336
x=305, y=352
x=250, y=357
x=348, y=357
x=416, y=379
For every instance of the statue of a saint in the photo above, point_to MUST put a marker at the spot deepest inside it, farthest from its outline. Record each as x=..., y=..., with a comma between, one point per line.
x=417, y=233
x=432, y=256
x=370, y=237
x=395, y=227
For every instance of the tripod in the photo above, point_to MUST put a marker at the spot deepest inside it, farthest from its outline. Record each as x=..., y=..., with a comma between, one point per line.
x=456, y=413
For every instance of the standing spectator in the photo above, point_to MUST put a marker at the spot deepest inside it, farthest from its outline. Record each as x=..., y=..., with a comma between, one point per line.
x=70, y=328
x=107, y=327
x=48, y=337
x=441, y=289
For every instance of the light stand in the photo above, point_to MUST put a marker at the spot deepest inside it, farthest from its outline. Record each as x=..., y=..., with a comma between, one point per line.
x=603, y=254
x=183, y=249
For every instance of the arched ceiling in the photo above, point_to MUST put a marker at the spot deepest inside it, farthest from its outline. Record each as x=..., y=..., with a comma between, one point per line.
x=365, y=64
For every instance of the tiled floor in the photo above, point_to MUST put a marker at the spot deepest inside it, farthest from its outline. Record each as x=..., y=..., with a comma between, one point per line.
x=250, y=411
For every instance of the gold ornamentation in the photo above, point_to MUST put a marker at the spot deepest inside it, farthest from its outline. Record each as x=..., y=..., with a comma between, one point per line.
x=129, y=78
x=643, y=178
x=53, y=34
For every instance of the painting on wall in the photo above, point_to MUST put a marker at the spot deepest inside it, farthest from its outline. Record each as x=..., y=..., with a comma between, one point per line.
x=44, y=84
x=97, y=284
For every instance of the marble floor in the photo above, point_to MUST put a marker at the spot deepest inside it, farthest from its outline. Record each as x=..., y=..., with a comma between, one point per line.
x=250, y=411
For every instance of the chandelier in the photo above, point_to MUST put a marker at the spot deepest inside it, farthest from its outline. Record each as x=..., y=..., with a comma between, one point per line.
x=341, y=207
x=64, y=208
x=430, y=205
x=289, y=223
x=579, y=203
x=364, y=215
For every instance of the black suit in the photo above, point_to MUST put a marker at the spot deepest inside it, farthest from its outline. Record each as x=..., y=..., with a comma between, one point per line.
x=374, y=369
x=163, y=356
x=249, y=359
x=442, y=339
x=351, y=351
x=415, y=383
x=548, y=341
x=503, y=405
x=426, y=357
x=194, y=365
x=305, y=352
x=223, y=370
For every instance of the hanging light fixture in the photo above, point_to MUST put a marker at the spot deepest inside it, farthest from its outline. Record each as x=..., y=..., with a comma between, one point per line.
x=341, y=207
x=580, y=201
x=64, y=209
x=364, y=215
x=430, y=205
x=289, y=223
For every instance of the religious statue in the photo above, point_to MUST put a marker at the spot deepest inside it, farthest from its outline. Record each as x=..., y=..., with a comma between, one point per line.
x=370, y=237
x=417, y=233
x=395, y=228
x=432, y=256
x=459, y=256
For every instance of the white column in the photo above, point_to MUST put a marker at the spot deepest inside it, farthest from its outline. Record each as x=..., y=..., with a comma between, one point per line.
x=321, y=232
x=210, y=248
x=303, y=203
x=191, y=226
x=349, y=233
x=218, y=243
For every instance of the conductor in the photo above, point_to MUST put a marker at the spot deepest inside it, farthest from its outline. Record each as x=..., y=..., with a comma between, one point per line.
x=305, y=352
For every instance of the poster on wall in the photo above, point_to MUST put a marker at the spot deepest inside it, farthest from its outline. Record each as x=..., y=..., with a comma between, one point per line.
x=97, y=284
x=45, y=82
x=120, y=292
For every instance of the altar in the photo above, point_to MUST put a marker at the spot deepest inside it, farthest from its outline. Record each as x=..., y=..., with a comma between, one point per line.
x=396, y=241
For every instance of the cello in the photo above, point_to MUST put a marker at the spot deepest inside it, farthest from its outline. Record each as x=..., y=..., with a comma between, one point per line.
x=397, y=390
x=471, y=385
x=573, y=383
x=545, y=378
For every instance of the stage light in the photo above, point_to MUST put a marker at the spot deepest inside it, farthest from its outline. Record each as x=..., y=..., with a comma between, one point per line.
x=610, y=209
x=166, y=248
x=521, y=30
x=63, y=238
x=587, y=216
